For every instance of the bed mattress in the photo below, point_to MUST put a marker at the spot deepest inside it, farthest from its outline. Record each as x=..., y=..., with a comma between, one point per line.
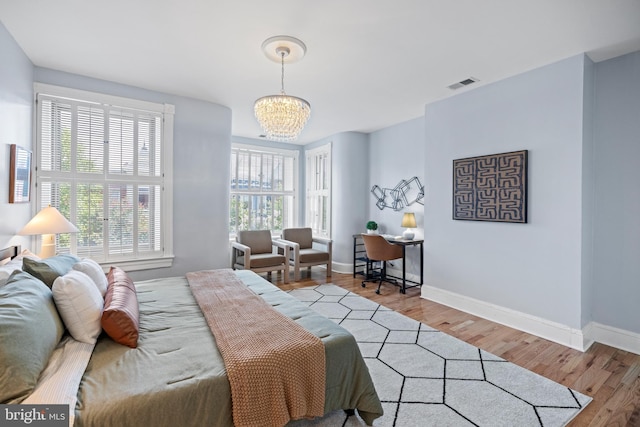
x=176, y=375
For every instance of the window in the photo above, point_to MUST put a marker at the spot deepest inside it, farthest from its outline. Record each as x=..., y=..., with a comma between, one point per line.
x=102, y=161
x=263, y=189
x=318, y=181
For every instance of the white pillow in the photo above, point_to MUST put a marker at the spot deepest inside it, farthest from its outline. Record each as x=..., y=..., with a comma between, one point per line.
x=80, y=305
x=93, y=270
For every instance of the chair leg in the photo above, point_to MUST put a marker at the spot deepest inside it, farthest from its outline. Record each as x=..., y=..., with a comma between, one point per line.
x=379, y=284
x=383, y=276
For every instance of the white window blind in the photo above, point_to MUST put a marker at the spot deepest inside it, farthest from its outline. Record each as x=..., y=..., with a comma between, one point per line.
x=318, y=180
x=103, y=167
x=262, y=187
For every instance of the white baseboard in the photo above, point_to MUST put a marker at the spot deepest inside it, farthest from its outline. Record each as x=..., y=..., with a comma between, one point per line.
x=614, y=337
x=553, y=331
x=562, y=334
x=341, y=267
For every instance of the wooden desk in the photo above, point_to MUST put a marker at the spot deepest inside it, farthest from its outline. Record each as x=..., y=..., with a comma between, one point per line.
x=362, y=265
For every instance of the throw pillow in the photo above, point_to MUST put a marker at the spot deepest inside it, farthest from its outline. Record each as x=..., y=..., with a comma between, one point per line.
x=80, y=305
x=30, y=329
x=120, y=318
x=93, y=270
x=49, y=269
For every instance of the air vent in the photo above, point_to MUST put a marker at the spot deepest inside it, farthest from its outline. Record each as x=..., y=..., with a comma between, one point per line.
x=463, y=83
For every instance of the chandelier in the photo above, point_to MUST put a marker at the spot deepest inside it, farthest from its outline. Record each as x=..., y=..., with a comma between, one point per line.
x=282, y=117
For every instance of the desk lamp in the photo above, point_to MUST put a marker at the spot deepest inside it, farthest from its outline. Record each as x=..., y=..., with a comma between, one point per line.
x=48, y=222
x=408, y=221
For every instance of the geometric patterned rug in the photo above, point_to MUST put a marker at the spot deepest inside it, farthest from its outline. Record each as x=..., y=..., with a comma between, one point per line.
x=425, y=377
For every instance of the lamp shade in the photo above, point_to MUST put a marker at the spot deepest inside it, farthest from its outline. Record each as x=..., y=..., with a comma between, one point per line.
x=409, y=220
x=48, y=221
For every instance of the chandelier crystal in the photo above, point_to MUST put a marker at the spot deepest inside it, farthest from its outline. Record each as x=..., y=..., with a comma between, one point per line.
x=282, y=117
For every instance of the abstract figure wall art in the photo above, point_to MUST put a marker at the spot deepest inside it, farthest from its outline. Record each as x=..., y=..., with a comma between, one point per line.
x=406, y=193
x=491, y=188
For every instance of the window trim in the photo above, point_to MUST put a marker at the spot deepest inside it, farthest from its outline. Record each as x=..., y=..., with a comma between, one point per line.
x=296, y=168
x=168, y=112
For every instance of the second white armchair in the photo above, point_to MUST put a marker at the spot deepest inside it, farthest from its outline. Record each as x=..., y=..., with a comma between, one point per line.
x=306, y=250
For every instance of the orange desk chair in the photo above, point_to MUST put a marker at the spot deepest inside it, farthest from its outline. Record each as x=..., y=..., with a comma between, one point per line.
x=378, y=249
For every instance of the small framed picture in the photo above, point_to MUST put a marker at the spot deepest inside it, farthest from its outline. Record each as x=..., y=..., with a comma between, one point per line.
x=20, y=175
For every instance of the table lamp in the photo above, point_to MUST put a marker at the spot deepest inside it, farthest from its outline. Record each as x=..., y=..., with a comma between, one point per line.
x=48, y=222
x=408, y=221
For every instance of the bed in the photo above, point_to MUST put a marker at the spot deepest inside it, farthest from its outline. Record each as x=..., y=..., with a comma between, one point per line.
x=176, y=374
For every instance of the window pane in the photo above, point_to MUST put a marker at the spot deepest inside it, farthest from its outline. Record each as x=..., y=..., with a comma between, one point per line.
x=90, y=145
x=149, y=218
x=243, y=212
x=233, y=214
x=267, y=171
x=254, y=173
x=278, y=173
x=149, y=145
x=243, y=170
x=120, y=219
x=234, y=170
x=90, y=220
x=288, y=174
x=55, y=151
x=255, y=219
x=58, y=195
x=121, y=143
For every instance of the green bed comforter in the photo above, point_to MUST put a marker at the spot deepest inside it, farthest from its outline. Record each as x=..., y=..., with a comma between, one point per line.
x=176, y=376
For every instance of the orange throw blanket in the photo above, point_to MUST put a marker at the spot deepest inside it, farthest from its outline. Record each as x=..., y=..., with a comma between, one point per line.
x=276, y=368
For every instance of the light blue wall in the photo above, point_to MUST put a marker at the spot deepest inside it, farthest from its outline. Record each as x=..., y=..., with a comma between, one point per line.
x=397, y=153
x=617, y=193
x=201, y=152
x=533, y=268
x=16, y=101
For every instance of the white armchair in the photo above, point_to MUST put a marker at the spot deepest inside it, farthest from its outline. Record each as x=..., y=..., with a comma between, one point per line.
x=254, y=250
x=306, y=250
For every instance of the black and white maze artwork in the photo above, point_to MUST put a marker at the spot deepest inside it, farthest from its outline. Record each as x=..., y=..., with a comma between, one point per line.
x=491, y=188
x=406, y=193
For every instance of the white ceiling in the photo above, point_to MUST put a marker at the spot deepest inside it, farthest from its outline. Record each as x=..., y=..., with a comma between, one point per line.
x=369, y=63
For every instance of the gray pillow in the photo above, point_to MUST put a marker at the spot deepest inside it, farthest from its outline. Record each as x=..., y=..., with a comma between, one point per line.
x=30, y=329
x=48, y=270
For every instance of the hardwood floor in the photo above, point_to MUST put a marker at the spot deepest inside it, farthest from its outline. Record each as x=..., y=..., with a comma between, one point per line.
x=608, y=375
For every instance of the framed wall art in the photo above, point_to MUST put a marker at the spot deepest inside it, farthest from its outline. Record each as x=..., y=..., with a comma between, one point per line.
x=19, y=175
x=491, y=188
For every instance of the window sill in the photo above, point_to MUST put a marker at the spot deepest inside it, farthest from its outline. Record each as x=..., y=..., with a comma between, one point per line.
x=139, y=264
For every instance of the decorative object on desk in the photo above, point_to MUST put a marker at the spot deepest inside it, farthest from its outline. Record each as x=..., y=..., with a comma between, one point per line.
x=409, y=222
x=282, y=117
x=491, y=188
x=372, y=227
x=48, y=222
x=405, y=193
x=19, y=175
